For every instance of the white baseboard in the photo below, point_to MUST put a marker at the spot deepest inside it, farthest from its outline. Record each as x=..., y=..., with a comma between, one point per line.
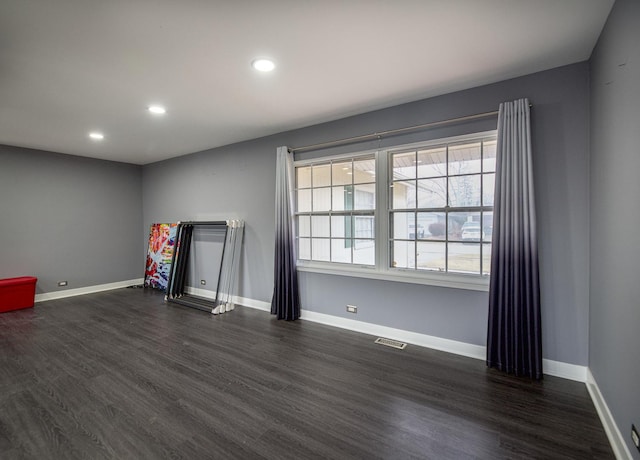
x=565, y=370
x=620, y=449
x=553, y=368
x=244, y=301
x=86, y=290
x=257, y=304
x=422, y=340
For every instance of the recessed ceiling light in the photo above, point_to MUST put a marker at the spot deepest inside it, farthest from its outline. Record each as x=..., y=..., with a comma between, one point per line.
x=263, y=65
x=96, y=136
x=157, y=109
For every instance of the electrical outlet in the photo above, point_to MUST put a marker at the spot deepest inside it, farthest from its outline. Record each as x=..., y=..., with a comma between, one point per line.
x=62, y=283
x=352, y=309
x=635, y=437
x=203, y=282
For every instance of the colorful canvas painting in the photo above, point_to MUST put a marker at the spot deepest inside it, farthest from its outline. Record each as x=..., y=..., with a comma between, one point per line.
x=162, y=238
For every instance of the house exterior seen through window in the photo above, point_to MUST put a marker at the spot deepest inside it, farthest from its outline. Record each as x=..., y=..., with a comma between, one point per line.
x=436, y=215
x=441, y=213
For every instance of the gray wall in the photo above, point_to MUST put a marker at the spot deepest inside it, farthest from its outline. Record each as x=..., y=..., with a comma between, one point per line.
x=615, y=217
x=230, y=182
x=64, y=217
x=206, y=257
x=238, y=181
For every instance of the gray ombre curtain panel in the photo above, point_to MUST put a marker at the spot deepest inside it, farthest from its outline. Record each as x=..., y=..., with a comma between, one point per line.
x=285, y=302
x=514, y=330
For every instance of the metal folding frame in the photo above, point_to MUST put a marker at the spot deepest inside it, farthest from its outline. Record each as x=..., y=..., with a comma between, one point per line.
x=177, y=276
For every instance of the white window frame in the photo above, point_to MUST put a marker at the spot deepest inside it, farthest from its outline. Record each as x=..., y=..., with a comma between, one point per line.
x=382, y=270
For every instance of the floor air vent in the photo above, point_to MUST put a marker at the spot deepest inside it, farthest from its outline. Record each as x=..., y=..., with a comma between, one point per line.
x=391, y=343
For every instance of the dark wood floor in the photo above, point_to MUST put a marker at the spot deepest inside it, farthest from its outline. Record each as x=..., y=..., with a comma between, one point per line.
x=122, y=375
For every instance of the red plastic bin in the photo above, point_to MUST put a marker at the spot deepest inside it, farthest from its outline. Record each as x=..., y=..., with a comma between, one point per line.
x=17, y=293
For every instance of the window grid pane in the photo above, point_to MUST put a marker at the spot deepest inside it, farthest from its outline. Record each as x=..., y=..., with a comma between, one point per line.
x=432, y=193
x=432, y=162
x=304, y=226
x=404, y=165
x=303, y=177
x=403, y=194
x=304, y=248
x=321, y=175
x=465, y=159
x=364, y=171
x=464, y=258
x=321, y=199
x=342, y=173
x=431, y=256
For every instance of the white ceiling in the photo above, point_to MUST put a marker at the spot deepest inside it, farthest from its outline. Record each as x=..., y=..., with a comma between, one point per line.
x=71, y=66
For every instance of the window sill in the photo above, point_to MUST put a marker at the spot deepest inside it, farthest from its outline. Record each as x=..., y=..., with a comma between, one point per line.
x=449, y=280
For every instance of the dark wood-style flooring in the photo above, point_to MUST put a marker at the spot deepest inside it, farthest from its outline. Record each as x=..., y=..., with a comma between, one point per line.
x=122, y=375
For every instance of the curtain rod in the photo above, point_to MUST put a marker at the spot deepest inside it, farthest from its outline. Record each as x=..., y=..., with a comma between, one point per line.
x=379, y=135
